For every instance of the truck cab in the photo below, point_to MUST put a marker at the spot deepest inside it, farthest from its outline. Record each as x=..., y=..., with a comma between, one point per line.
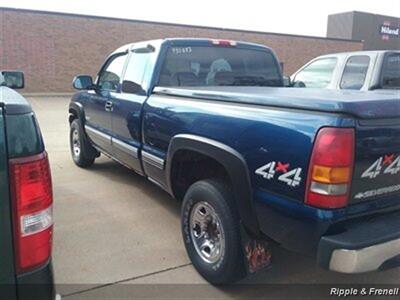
x=362, y=70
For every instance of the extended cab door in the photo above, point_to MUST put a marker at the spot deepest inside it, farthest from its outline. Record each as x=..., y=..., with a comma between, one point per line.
x=127, y=108
x=357, y=72
x=100, y=104
x=7, y=274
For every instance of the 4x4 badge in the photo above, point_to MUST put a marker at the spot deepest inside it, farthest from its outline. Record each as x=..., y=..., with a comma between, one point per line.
x=387, y=164
x=290, y=177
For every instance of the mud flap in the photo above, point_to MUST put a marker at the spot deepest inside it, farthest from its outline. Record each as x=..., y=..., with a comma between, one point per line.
x=257, y=252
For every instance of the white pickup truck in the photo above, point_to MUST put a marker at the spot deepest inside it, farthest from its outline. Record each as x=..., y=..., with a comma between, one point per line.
x=362, y=70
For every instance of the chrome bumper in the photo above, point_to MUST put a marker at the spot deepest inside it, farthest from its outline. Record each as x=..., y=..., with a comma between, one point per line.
x=365, y=259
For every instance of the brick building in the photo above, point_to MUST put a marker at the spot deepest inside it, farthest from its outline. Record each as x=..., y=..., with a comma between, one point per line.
x=51, y=48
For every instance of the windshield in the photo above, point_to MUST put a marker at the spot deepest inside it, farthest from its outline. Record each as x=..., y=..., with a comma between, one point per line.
x=219, y=66
x=391, y=71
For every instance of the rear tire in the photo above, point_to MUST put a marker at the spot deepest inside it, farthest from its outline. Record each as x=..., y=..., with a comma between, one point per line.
x=213, y=243
x=81, y=149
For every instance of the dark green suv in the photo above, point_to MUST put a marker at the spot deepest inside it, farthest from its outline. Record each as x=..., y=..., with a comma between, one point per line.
x=26, y=200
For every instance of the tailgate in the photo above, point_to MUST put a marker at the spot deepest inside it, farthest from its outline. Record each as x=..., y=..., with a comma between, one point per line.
x=377, y=163
x=7, y=276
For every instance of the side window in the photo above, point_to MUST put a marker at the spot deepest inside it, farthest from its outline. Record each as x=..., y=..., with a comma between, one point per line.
x=318, y=74
x=135, y=72
x=354, y=72
x=111, y=74
x=391, y=71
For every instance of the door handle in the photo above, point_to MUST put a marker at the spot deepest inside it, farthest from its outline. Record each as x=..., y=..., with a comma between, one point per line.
x=108, y=106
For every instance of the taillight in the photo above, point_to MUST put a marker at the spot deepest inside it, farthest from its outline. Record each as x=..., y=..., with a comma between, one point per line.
x=32, y=197
x=331, y=168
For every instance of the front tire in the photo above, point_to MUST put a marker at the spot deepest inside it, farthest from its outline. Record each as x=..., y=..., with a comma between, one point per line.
x=211, y=232
x=81, y=148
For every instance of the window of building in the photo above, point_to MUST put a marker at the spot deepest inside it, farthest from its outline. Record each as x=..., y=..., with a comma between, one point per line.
x=355, y=72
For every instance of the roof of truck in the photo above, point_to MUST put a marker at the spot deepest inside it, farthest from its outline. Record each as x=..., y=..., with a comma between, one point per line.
x=365, y=52
x=13, y=102
x=178, y=40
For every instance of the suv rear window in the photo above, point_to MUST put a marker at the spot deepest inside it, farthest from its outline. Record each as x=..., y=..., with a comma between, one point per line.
x=23, y=135
x=216, y=66
x=391, y=71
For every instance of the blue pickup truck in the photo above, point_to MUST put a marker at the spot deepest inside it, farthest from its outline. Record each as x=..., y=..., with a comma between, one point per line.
x=255, y=164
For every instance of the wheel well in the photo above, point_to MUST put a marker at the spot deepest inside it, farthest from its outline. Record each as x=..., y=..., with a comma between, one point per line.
x=189, y=166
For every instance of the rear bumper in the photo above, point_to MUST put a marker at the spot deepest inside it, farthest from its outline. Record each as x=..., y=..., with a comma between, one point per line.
x=38, y=284
x=363, y=247
x=363, y=260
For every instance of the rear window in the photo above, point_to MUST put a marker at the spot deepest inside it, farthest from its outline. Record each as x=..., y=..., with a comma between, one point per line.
x=391, y=71
x=23, y=135
x=219, y=66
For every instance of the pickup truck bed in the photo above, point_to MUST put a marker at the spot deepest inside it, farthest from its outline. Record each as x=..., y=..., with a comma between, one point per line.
x=306, y=110
x=364, y=105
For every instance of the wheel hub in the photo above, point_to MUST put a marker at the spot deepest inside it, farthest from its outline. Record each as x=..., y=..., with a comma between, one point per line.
x=76, y=144
x=206, y=232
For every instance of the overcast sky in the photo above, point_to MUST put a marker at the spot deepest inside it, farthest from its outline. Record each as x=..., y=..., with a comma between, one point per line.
x=303, y=17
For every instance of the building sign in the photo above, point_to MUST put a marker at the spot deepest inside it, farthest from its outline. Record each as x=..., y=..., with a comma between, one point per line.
x=387, y=31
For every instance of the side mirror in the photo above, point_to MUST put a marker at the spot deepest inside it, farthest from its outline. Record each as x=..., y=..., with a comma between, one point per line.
x=12, y=79
x=299, y=84
x=286, y=81
x=83, y=82
x=131, y=87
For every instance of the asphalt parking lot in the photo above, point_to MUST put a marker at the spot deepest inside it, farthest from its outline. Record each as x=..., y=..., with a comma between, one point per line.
x=114, y=227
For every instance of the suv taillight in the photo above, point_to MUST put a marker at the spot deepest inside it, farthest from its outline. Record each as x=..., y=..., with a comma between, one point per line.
x=331, y=168
x=32, y=197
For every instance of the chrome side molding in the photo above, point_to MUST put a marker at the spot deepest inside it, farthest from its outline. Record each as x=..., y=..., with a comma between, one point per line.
x=153, y=160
